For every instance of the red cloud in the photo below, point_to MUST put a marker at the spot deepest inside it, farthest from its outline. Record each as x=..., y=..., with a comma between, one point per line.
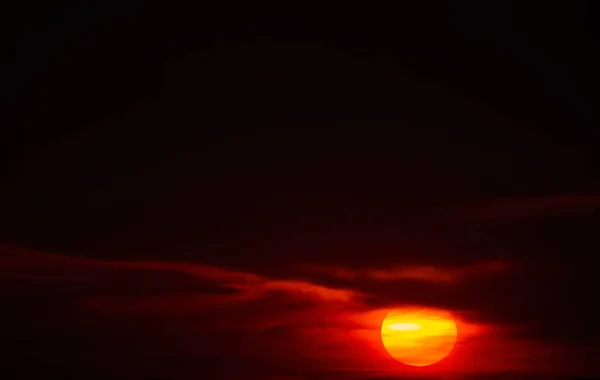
x=206, y=311
x=415, y=272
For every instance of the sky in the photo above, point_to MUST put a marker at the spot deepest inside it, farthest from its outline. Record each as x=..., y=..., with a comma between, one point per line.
x=255, y=209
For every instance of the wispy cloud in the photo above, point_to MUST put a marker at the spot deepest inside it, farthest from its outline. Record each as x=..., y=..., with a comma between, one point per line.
x=415, y=272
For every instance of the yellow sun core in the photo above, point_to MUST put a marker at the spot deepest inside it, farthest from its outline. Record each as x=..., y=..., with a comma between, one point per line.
x=418, y=337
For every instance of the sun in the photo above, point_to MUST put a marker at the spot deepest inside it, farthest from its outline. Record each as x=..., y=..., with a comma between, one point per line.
x=418, y=336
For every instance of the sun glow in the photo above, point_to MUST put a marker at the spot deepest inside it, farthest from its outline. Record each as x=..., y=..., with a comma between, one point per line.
x=418, y=337
x=404, y=326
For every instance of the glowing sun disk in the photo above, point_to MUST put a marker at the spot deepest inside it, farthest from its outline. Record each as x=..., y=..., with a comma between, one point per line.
x=418, y=337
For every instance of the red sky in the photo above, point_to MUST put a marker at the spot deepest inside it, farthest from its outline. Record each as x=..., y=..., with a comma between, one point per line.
x=176, y=318
x=257, y=216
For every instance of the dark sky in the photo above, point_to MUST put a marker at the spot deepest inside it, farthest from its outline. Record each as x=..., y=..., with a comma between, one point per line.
x=241, y=194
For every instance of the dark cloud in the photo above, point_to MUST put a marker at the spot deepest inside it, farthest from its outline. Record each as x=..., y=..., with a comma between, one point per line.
x=75, y=277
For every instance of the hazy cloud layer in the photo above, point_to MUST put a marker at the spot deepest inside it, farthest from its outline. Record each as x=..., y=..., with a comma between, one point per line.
x=162, y=310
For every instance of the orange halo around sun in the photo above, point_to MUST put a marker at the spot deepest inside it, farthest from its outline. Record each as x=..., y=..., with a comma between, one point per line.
x=418, y=337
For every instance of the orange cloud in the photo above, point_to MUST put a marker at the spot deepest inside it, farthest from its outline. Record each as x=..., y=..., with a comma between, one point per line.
x=305, y=287
x=422, y=273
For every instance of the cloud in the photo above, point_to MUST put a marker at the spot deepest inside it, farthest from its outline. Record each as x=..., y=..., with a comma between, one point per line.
x=414, y=272
x=332, y=314
x=525, y=207
x=157, y=308
x=156, y=287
